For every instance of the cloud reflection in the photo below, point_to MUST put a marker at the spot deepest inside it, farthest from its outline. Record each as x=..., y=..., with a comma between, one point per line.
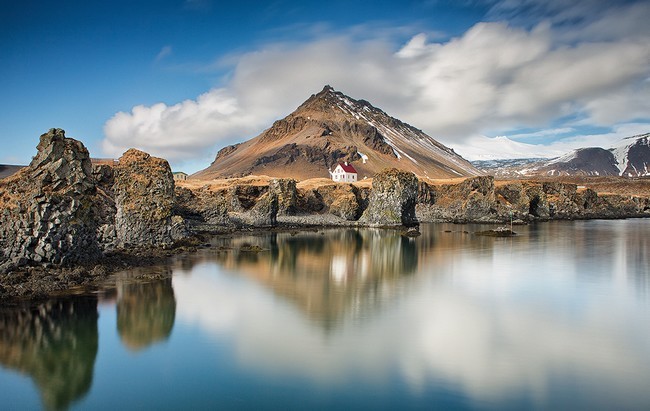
x=467, y=318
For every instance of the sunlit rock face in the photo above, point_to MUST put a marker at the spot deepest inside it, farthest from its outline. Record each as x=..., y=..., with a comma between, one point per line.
x=481, y=199
x=392, y=200
x=55, y=343
x=144, y=198
x=49, y=209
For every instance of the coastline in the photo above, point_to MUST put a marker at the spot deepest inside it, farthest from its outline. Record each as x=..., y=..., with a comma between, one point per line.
x=33, y=284
x=65, y=223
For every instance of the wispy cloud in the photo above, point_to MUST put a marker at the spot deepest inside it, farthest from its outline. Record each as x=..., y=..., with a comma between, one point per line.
x=496, y=76
x=166, y=51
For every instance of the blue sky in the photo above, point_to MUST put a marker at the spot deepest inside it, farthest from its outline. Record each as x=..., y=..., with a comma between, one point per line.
x=181, y=79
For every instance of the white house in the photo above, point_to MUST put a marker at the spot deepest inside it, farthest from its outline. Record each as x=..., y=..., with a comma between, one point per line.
x=344, y=172
x=179, y=176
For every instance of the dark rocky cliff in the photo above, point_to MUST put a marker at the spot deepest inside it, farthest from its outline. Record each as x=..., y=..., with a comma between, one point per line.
x=480, y=200
x=61, y=211
x=49, y=208
x=392, y=200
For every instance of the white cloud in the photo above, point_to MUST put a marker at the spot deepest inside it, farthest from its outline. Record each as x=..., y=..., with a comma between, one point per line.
x=457, y=334
x=493, y=77
x=480, y=147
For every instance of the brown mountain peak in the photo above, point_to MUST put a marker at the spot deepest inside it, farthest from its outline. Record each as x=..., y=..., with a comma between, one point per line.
x=331, y=127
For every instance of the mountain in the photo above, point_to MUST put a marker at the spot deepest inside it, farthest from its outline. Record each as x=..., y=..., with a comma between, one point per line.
x=629, y=158
x=591, y=161
x=8, y=170
x=331, y=127
x=515, y=167
x=633, y=156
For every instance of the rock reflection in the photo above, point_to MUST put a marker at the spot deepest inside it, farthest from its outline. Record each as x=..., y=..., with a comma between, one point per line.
x=145, y=310
x=327, y=274
x=55, y=343
x=491, y=318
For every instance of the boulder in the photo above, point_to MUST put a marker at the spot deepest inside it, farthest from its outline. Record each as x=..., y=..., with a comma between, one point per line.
x=144, y=199
x=392, y=199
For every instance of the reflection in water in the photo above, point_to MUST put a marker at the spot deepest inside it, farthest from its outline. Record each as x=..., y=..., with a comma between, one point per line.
x=55, y=343
x=145, y=311
x=554, y=318
x=327, y=274
x=542, y=317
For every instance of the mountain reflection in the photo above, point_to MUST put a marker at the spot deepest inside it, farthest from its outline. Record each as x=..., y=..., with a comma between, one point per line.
x=145, y=311
x=491, y=318
x=55, y=343
x=327, y=274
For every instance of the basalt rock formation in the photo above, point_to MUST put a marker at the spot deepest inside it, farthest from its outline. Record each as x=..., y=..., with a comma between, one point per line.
x=60, y=210
x=343, y=200
x=479, y=199
x=49, y=209
x=392, y=200
x=144, y=199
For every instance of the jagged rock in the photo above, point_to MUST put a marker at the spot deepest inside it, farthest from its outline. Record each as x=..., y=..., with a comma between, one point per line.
x=285, y=190
x=392, y=200
x=346, y=207
x=242, y=197
x=49, y=209
x=264, y=213
x=201, y=209
x=471, y=200
x=144, y=198
x=343, y=200
x=478, y=200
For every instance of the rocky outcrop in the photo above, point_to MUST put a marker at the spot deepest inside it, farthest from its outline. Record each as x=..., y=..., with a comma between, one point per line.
x=144, y=199
x=49, y=209
x=392, y=200
x=202, y=209
x=471, y=200
x=237, y=205
x=479, y=200
x=343, y=200
x=286, y=192
x=264, y=213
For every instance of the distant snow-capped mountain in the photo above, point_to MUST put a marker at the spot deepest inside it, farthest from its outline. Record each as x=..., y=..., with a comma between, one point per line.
x=633, y=156
x=629, y=158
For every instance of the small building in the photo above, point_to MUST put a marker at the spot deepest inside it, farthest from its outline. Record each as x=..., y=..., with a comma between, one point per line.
x=344, y=172
x=179, y=176
x=104, y=161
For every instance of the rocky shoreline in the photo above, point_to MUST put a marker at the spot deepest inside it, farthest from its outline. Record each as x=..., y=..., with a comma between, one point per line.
x=67, y=224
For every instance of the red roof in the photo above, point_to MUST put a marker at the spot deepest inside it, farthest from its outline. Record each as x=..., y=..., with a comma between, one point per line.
x=348, y=168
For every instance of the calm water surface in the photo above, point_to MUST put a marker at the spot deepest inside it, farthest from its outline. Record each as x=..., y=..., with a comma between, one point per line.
x=555, y=318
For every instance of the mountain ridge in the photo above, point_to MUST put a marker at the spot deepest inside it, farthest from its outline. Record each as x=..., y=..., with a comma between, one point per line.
x=629, y=158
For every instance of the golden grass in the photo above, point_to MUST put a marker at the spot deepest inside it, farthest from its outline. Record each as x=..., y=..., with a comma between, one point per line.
x=610, y=185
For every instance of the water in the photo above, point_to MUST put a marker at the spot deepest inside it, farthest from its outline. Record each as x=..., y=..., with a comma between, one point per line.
x=555, y=318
